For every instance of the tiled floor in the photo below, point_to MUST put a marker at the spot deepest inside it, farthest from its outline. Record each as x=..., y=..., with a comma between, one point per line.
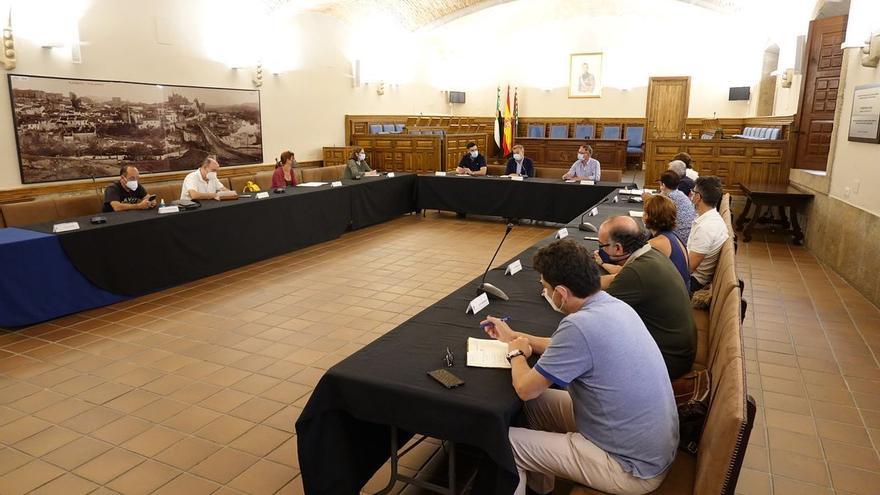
x=195, y=390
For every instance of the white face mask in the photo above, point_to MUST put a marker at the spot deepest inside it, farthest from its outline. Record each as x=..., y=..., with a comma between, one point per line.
x=362, y=156
x=474, y=154
x=549, y=297
x=212, y=176
x=517, y=157
x=581, y=156
x=132, y=185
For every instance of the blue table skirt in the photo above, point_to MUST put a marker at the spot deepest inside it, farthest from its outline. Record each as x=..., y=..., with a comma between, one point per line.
x=38, y=281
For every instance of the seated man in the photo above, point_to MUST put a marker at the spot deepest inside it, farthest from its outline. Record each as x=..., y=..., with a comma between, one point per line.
x=614, y=427
x=649, y=282
x=126, y=193
x=685, y=184
x=203, y=183
x=472, y=163
x=519, y=164
x=586, y=167
x=684, y=207
x=708, y=232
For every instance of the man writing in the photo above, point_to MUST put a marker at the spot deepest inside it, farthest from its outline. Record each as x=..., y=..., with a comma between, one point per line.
x=126, y=194
x=203, y=183
x=614, y=426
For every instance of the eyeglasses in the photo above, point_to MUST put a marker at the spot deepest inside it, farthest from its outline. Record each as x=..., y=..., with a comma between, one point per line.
x=603, y=246
x=448, y=359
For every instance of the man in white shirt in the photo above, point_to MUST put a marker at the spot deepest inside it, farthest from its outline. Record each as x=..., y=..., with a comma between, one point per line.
x=203, y=183
x=708, y=232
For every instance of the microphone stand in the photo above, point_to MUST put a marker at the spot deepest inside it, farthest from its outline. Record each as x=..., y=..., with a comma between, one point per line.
x=487, y=287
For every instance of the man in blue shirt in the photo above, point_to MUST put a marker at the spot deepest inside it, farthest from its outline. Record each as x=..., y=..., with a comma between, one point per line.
x=586, y=167
x=614, y=427
x=472, y=163
x=519, y=163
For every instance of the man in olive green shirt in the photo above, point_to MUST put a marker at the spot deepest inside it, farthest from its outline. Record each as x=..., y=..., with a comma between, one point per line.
x=651, y=285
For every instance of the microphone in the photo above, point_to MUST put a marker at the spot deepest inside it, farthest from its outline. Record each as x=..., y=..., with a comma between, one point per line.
x=489, y=288
x=98, y=219
x=587, y=226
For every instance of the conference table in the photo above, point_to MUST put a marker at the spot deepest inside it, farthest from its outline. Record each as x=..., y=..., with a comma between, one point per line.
x=382, y=394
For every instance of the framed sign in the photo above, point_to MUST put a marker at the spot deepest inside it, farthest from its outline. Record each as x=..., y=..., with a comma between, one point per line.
x=585, y=75
x=68, y=129
x=864, y=122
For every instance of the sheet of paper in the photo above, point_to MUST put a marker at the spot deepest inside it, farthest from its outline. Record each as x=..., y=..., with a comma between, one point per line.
x=227, y=194
x=311, y=184
x=65, y=227
x=637, y=214
x=487, y=353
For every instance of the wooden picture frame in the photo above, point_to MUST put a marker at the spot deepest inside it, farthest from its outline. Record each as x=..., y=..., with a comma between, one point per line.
x=585, y=75
x=864, y=119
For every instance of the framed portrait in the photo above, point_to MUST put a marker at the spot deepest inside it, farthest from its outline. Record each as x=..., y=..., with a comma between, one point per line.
x=585, y=75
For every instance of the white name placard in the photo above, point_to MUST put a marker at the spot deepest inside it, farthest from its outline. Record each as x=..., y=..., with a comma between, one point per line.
x=516, y=177
x=615, y=199
x=513, y=268
x=562, y=233
x=390, y=175
x=336, y=183
x=636, y=214
x=594, y=212
x=65, y=227
x=588, y=183
x=440, y=173
x=478, y=304
x=174, y=209
x=262, y=195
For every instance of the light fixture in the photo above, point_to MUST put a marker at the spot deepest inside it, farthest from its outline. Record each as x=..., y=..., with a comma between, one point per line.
x=258, y=75
x=871, y=51
x=7, y=57
x=380, y=89
x=787, y=78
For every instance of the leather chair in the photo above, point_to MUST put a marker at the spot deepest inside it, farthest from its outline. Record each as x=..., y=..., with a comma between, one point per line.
x=775, y=133
x=375, y=128
x=611, y=175
x=550, y=172
x=584, y=131
x=496, y=169
x=611, y=132
x=388, y=128
x=332, y=173
x=635, y=136
x=238, y=182
x=559, y=131
x=78, y=206
x=31, y=212
x=312, y=174
x=398, y=128
x=536, y=130
x=264, y=179
x=169, y=191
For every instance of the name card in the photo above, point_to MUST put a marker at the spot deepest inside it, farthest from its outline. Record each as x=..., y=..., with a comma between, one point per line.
x=336, y=183
x=390, y=175
x=588, y=183
x=262, y=195
x=516, y=177
x=594, y=212
x=477, y=304
x=615, y=199
x=175, y=209
x=65, y=227
x=636, y=214
x=562, y=233
x=513, y=268
x=440, y=173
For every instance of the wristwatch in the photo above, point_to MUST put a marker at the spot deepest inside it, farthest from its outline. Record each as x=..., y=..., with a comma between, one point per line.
x=514, y=353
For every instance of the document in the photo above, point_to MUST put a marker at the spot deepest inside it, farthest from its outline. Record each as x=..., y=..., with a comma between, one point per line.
x=487, y=353
x=311, y=184
x=636, y=214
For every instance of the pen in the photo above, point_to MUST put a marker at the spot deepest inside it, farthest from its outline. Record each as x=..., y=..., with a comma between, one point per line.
x=503, y=318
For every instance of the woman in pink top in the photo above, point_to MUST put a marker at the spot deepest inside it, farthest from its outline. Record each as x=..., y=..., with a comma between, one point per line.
x=284, y=176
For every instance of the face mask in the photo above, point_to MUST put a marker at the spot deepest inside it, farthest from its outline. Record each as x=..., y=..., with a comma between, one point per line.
x=607, y=258
x=212, y=176
x=132, y=185
x=362, y=156
x=474, y=154
x=517, y=157
x=581, y=156
x=548, y=296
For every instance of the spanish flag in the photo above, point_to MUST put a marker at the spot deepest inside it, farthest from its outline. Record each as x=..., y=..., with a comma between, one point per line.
x=507, y=141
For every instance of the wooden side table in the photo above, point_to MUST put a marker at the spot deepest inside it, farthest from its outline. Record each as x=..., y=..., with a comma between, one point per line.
x=780, y=196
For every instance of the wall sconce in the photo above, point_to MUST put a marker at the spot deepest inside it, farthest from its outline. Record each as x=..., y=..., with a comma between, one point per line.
x=380, y=89
x=258, y=75
x=7, y=57
x=871, y=51
x=787, y=78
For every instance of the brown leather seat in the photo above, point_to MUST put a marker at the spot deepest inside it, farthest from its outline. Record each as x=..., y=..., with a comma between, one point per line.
x=723, y=286
x=237, y=183
x=609, y=175
x=20, y=214
x=169, y=191
x=332, y=173
x=78, y=206
x=496, y=169
x=550, y=172
x=2, y=222
x=312, y=174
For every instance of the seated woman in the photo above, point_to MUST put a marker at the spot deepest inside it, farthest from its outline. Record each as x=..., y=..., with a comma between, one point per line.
x=357, y=165
x=659, y=217
x=284, y=176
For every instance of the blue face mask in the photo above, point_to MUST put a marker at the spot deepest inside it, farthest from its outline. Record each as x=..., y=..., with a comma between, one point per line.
x=606, y=258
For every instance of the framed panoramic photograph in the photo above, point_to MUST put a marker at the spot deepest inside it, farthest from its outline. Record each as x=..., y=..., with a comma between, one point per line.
x=585, y=75
x=68, y=129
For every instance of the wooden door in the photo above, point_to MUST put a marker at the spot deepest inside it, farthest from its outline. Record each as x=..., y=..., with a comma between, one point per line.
x=818, y=100
x=667, y=111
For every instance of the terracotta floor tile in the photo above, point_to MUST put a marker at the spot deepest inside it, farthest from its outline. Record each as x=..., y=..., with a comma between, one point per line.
x=12, y=459
x=851, y=455
x=188, y=485
x=224, y=429
x=841, y=432
x=68, y=484
x=808, y=445
x=853, y=480
x=225, y=400
x=152, y=441
x=224, y=465
x=260, y=440
x=77, y=453
x=191, y=419
x=22, y=428
x=28, y=477
x=257, y=409
x=787, y=486
x=46, y=441
x=187, y=453
x=108, y=465
x=263, y=477
x=121, y=430
x=799, y=467
x=144, y=478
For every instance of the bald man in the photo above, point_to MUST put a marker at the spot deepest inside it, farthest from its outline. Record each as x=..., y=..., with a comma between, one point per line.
x=203, y=183
x=648, y=281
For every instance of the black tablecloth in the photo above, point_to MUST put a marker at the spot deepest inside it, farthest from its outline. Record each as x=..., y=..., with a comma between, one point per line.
x=549, y=200
x=343, y=433
x=137, y=252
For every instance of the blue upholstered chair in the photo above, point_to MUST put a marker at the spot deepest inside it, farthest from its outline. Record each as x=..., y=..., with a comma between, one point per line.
x=584, y=131
x=774, y=134
x=399, y=127
x=635, y=136
x=559, y=131
x=375, y=128
x=536, y=130
x=389, y=128
x=611, y=132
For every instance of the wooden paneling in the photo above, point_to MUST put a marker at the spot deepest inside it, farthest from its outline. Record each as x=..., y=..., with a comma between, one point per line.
x=611, y=153
x=402, y=152
x=337, y=155
x=359, y=125
x=28, y=193
x=818, y=99
x=734, y=161
x=455, y=146
x=667, y=107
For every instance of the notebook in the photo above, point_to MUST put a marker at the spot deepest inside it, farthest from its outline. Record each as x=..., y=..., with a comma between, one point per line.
x=487, y=353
